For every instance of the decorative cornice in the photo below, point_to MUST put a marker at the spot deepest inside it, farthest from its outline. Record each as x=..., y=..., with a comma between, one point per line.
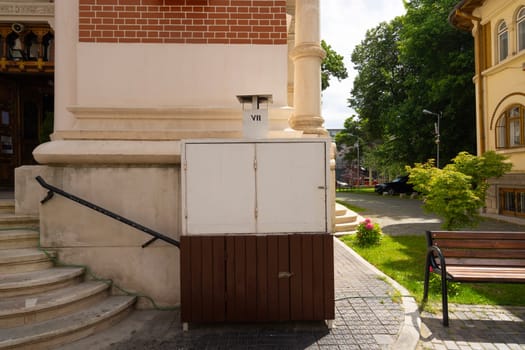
x=35, y=9
x=461, y=16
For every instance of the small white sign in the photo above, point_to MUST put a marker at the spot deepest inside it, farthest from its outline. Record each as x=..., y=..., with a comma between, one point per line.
x=255, y=123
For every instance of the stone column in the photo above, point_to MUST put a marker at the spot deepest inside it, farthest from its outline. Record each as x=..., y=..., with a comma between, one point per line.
x=307, y=56
x=66, y=38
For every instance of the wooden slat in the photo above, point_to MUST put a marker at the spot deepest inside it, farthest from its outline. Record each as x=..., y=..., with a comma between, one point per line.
x=317, y=277
x=262, y=279
x=219, y=279
x=284, y=282
x=240, y=278
x=251, y=278
x=481, y=244
x=296, y=295
x=231, y=309
x=307, y=283
x=328, y=283
x=493, y=235
x=273, y=280
x=196, y=281
x=484, y=253
x=206, y=277
x=185, y=278
x=486, y=274
x=485, y=262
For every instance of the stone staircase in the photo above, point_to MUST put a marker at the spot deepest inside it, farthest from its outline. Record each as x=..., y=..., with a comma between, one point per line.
x=346, y=221
x=42, y=305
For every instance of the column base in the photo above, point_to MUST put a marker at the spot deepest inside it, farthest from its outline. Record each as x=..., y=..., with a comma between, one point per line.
x=308, y=124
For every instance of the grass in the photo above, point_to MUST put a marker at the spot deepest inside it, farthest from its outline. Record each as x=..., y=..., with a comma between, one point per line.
x=403, y=259
x=364, y=189
x=352, y=207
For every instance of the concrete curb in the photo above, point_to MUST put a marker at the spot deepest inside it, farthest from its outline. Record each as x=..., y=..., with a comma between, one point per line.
x=408, y=335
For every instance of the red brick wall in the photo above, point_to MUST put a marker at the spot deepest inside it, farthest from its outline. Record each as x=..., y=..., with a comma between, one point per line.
x=183, y=21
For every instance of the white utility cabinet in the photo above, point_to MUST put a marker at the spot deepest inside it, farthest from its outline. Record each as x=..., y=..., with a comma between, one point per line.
x=262, y=186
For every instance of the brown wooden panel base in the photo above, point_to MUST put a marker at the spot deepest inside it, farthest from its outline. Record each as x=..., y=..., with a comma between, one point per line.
x=238, y=278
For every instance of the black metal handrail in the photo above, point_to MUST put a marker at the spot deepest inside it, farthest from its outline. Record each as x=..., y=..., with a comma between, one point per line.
x=156, y=235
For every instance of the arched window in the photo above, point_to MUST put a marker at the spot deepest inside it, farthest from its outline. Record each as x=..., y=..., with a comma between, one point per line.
x=520, y=25
x=509, y=128
x=503, y=41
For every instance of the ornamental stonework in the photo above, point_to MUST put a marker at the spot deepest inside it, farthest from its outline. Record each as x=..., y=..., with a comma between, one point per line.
x=26, y=9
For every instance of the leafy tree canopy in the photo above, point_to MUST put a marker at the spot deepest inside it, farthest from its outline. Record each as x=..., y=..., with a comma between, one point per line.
x=416, y=61
x=332, y=66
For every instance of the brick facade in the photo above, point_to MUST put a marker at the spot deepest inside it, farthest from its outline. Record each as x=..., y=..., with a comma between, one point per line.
x=258, y=22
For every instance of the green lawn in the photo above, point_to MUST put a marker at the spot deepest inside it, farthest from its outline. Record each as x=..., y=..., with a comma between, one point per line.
x=364, y=189
x=403, y=259
x=352, y=207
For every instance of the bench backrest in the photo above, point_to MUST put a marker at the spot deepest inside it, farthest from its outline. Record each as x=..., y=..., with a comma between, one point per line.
x=479, y=248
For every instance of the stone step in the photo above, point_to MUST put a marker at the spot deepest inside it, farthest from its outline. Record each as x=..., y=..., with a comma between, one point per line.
x=339, y=211
x=34, y=282
x=7, y=206
x=65, y=329
x=17, y=311
x=10, y=220
x=14, y=239
x=24, y=260
x=346, y=227
x=347, y=217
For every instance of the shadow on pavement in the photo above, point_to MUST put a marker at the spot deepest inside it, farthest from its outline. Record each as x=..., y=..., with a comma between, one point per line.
x=474, y=331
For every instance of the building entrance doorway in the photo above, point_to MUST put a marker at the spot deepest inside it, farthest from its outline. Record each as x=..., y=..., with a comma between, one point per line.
x=26, y=120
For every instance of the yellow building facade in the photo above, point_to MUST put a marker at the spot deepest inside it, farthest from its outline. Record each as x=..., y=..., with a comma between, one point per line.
x=498, y=28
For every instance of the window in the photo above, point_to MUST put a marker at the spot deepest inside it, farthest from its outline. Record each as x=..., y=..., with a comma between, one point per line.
x=512, y=201
x=509, y=128
x=503, y=41
x=520, y=25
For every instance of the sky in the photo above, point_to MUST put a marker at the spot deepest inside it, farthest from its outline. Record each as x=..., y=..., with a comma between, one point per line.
x=343, y=26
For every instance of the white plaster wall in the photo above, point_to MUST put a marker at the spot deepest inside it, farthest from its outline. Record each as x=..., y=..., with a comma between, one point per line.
x=179, y=75
x=149, y=195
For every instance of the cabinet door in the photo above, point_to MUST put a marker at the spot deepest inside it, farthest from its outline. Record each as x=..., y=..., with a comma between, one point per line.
x=220, y=188
x=291, y=187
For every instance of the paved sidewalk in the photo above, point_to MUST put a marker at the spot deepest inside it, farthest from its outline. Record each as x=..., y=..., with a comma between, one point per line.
x=370, y=314
x=475, y=327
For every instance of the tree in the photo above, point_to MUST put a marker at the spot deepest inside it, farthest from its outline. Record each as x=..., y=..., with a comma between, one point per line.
x=439, y=61
x=376, y=88
x=415, y=62
x=458, y=191
x=332, y=66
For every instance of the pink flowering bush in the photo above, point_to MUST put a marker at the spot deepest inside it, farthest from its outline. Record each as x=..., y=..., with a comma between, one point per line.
x=368, y=233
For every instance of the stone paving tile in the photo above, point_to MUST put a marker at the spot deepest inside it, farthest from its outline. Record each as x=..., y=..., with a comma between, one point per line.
x=475, y=327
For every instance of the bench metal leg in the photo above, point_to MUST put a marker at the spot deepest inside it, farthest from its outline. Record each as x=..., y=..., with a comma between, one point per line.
x=444, y=297
x=426, y=280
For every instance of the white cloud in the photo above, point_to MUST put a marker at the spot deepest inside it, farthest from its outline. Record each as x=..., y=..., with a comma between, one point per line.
x=343, y=25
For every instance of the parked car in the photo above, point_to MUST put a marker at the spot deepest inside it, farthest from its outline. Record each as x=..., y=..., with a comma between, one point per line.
x=341, y=184
x=398, y=185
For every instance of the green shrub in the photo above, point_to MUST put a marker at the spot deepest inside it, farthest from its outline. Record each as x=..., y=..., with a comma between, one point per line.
x=368, y=233
x=458, y=191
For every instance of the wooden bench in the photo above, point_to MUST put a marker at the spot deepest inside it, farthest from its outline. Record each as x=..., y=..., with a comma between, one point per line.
x=474, y=256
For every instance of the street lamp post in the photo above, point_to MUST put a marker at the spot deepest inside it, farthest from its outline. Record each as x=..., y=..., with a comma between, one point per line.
x=356, y=145
x=436, y=130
